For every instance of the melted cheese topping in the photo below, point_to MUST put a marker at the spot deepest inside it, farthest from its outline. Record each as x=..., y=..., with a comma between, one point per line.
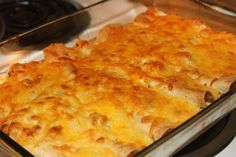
x=116, y=94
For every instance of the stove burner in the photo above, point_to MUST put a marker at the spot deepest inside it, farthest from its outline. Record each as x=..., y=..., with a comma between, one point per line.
x=25, y=15
x=22, y=15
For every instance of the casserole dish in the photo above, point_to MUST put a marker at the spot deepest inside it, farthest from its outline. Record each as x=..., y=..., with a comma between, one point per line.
x=173, y=140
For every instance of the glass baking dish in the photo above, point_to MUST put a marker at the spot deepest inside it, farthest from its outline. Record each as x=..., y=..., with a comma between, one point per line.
x=86, y=23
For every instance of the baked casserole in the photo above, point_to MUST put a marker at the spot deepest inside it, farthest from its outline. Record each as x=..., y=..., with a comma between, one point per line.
x=119, y=92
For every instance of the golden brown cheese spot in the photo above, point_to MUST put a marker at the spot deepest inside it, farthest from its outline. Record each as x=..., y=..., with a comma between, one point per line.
x=63, y=148
x=98, y=119
x=55, y=131
x=29, y=82
x=31, y=131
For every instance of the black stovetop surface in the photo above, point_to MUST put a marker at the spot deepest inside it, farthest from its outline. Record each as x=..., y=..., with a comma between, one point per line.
x=214, y=140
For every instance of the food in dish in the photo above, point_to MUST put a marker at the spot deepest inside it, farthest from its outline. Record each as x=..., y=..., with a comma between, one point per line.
x=119, y=92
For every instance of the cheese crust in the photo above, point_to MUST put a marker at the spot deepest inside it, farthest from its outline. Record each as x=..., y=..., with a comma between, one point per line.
x=118, y=93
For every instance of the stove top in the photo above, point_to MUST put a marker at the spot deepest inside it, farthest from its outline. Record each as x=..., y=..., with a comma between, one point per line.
x=17, y=16
x=212, y=141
